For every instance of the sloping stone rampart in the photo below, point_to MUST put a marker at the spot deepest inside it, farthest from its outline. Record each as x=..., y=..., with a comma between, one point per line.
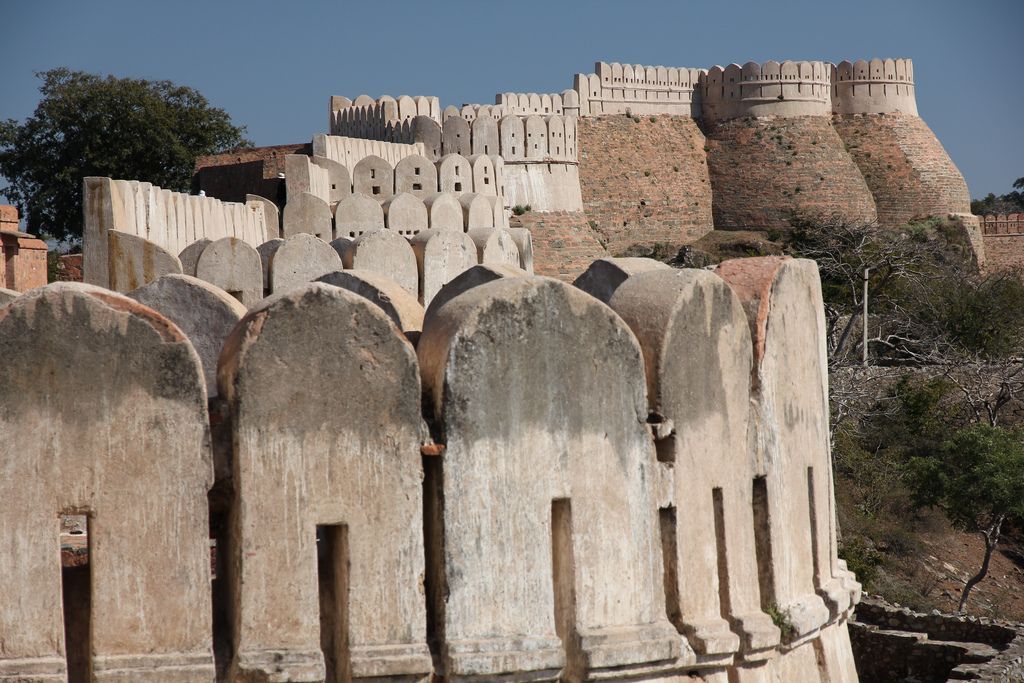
x=765, y=172
x=644, y=182
x=905, y=166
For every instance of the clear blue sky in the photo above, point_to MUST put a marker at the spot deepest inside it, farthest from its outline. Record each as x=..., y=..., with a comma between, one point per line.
x=273, y=64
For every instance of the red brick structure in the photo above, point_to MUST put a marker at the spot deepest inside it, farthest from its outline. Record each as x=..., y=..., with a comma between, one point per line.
x=22, y=256
x=563, y=243
x=644, y=182
x=1002, y=224
x=765, y=171
x=909, y=173
x=232, y=175
x=69, y=268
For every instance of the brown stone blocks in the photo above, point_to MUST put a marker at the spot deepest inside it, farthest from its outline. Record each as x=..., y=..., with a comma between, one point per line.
x=232, y=175
x=645, y=181
x=22, y=261
x=564, y=245
x=766, y=171
x=904, y=165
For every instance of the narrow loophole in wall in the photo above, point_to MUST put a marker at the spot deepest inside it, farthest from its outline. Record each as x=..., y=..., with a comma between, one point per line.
x=670, y=563
x=220, y=591
x=763, y=543
x=563, y=574
x=724, y=597
x=434, y=580
x=332, y=562
x=458, y=187
x=665, y=449
x=76, y=596
x=813, y=518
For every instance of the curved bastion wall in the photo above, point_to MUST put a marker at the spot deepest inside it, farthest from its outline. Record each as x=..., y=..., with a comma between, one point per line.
x=772, y=152
x=909, y=172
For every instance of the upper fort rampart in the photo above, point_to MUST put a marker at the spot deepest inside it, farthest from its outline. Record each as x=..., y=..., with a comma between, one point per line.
x=875, y=87
x=637, y=89
x=788, y=88
x=769, y=89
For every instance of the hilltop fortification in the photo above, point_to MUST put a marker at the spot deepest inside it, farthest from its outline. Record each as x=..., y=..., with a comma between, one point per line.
x=634, y=155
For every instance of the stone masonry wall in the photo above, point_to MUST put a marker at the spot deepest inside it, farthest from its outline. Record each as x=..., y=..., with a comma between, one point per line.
x=892, y=643
x=232, y=175
x=645, y=181
x=564, y=245
x=1004, y=241
x=905, y=165
x=763, y=171
x=1004, y=252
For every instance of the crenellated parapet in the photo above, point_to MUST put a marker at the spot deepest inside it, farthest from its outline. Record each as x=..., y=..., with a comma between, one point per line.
x=769, y=89
x=385, y=118
x=509, y=479
x=637, y=89
x=565, y=103
x=879, y=86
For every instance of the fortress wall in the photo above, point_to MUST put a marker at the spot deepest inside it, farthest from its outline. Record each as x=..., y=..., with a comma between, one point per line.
x=564, y=245
x=1004, y=241
x=349, y=151
x=625, y=205
x=381, y=118
x=232, y=175
x=765, y=171
x=640, y=90
x=133, y=230
x=881, y=86
x=563, y=522
x=769, y=89
x=909, y=172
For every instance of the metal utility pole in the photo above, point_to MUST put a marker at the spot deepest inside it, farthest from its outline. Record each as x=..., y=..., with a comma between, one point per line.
x=864, y=344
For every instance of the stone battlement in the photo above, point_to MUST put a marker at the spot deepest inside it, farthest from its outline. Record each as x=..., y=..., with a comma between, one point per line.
x=636, y=512
x=567, y=102
x=128, y=218
x=769, y=89
x=371, y=118
x=1003, y=224
x=636, y=89
x=875, y=87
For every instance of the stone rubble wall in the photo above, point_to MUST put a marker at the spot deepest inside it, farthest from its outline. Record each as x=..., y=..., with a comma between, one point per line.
x=414, y=497
x=563, y=243
x=893, y=643
x=233, y=175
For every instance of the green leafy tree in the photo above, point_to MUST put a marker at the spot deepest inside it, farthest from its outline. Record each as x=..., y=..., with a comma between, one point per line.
x=88, y=125
x=1011, y=202
x=977, y=479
